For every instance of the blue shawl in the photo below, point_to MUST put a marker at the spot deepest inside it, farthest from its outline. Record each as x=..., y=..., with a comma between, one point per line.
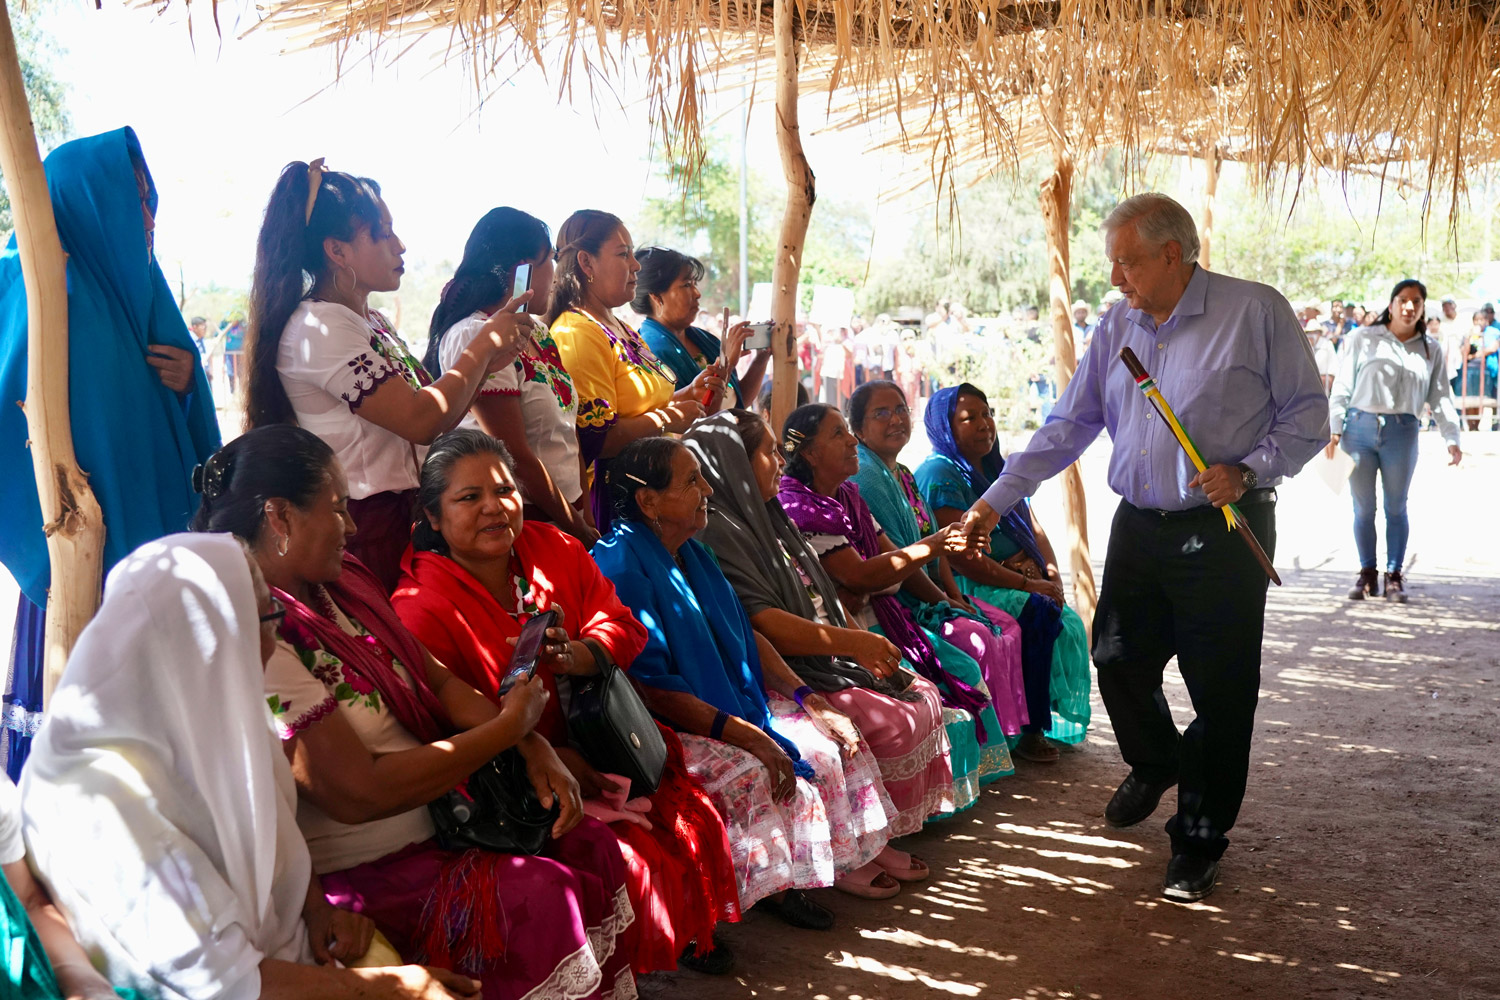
x=1016, y=522
x=670, y=352
x=136, y=439
x=699, y=640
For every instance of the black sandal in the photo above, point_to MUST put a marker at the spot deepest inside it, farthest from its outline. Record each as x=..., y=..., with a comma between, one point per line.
x=799, y=911
x=717, y=961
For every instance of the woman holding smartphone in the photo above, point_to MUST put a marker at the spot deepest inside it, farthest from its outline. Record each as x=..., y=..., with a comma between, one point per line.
x=530, y=406
x=624, y=391
x=666, y=293
x=478, y=575
x=322, y=359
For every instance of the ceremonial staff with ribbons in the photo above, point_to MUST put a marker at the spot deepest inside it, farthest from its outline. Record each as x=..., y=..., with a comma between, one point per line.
x=1231, y=406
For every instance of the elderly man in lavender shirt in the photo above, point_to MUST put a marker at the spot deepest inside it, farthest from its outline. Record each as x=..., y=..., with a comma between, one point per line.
x=1231, y=358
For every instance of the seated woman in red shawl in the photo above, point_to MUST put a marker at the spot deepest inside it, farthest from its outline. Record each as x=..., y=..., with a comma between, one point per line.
x=376, y=729
x=476, y=572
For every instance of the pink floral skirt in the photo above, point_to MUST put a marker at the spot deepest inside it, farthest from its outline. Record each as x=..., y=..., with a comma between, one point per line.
x=837, y=822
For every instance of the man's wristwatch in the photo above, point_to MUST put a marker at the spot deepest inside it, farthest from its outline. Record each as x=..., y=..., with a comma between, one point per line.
x=1247, y=476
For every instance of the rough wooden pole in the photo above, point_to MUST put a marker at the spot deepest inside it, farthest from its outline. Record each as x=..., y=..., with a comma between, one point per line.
x=1213, y=160
x=1057, y=192
x=801, y=192
x=70, y=514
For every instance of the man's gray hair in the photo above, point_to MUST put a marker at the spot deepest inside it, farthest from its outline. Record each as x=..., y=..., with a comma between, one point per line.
x=1158, y=220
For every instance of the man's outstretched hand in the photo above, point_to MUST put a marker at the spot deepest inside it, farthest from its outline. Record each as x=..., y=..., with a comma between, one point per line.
x=972, y=533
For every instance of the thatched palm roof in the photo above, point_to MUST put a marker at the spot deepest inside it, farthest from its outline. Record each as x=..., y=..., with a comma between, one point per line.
x=1304, y=82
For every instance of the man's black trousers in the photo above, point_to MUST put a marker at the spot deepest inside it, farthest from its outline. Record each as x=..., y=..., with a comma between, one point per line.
x=1184, y=585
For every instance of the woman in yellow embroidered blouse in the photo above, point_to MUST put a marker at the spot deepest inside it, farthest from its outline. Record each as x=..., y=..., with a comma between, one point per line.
x=623, y=391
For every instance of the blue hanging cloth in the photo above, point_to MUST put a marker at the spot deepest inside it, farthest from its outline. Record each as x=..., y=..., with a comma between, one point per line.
x=137, y=440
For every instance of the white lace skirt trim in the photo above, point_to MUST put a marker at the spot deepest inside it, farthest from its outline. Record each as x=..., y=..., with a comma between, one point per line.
x=575, y=977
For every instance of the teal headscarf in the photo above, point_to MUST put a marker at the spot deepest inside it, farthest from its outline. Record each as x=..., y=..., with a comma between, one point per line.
x=137, y=440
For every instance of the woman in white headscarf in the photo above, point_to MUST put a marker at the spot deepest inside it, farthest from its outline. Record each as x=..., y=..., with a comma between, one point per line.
x=159, y=808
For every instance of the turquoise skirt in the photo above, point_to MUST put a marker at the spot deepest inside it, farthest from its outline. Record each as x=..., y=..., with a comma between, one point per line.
x=1071, y=682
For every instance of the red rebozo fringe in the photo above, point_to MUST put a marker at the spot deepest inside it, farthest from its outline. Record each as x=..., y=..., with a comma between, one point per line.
x=683, y=807
x=464, y=920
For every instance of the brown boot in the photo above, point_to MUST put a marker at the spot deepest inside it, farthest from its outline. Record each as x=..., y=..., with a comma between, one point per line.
x=1393, y=589
x=1366, y=586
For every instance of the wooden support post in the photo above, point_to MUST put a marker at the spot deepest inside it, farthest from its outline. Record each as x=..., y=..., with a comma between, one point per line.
x=1057, y=192
x=801, y=193
x=70, y=513
x=1213, y=160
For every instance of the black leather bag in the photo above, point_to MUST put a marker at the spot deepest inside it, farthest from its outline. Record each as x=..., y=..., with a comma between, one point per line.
x=612, y=728
x=497, y=809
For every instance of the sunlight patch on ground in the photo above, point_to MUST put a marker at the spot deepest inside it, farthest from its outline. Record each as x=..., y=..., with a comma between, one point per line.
x=1082, y=840
x=914, y=940
x=1379, y=977
x=1309, y=678
x=864, y=963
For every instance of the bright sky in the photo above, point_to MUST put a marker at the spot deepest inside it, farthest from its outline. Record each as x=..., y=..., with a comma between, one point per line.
x=218, y=122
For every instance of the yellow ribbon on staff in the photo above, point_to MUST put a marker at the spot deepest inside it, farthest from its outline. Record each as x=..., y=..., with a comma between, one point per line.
x=1154, y=394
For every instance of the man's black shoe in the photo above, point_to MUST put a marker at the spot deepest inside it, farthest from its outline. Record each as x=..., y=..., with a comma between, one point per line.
x=1134, y=800
x=1190, y=877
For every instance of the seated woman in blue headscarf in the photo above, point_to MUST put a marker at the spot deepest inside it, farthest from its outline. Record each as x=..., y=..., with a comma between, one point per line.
x=666, y=293
x=1019, y=575
x=795, y=783
x=141, y=410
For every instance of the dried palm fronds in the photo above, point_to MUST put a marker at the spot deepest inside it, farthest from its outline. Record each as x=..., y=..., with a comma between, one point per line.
x=1309, y=83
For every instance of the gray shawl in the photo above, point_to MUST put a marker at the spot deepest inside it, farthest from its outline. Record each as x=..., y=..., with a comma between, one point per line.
x=743, y=531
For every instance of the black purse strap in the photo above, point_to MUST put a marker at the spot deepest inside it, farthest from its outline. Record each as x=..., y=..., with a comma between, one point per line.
x=602, y=658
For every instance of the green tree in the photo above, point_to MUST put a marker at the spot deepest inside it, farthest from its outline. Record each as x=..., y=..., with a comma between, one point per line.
x=700, y=215
x=38, y=52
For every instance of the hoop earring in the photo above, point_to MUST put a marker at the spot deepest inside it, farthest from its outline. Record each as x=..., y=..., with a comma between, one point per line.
x=281, y=545
x=353, y=283
x=656, y=523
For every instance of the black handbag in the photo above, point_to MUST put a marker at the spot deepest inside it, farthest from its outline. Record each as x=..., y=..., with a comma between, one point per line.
x=612, y=728
x=496, y=809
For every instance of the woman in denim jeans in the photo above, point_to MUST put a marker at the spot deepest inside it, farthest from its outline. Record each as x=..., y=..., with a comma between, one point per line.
x=1387, y=372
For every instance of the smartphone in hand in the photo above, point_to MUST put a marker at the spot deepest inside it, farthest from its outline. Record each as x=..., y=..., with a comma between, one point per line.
x=528, y=649
x=759, y=337
x=522, y=281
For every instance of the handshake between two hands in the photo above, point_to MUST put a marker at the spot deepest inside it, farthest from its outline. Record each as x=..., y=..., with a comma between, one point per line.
x=971, y=533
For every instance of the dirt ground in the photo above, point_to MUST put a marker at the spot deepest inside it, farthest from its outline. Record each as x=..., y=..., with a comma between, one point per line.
x=1364, y=863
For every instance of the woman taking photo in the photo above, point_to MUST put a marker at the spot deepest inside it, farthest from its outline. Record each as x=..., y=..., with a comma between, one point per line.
x=477, y=572
x=793, y=779
x=624, y=392
x=666, y=293
x=1019, y=575
x=881, y=421
x=320, y=357
x=793, y=603
x=1387, y=373
x=376, y=730
x=817, y=494
x=530, y=406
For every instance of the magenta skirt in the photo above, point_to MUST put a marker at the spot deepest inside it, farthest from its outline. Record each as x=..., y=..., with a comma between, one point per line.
x=547, y=926
x=999, y=659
